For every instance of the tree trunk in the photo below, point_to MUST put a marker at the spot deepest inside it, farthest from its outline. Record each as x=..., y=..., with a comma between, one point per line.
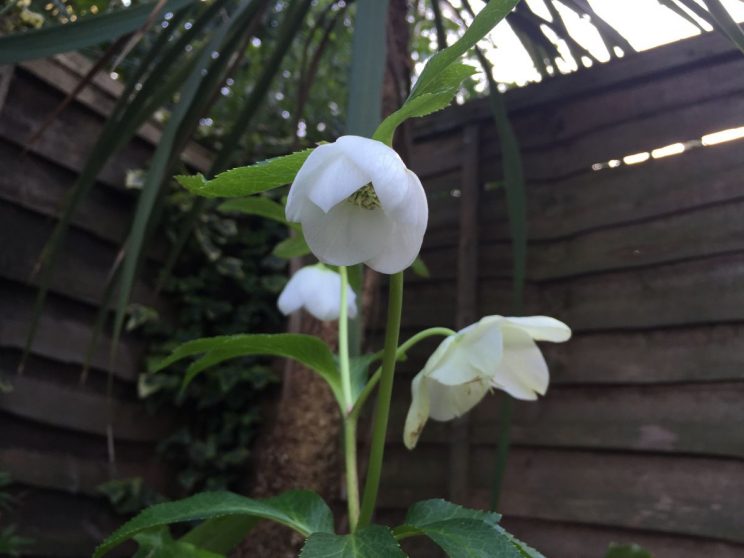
x=299, y=448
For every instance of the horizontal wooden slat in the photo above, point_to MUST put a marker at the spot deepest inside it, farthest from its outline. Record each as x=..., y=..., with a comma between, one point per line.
x=75, y=409
x=574, y=157
x=598, y=200
x=683, y=56
x=661, y=296
x=677, y=419
x=20, y=433
x=567, y=540
x=43, y=189
x=64, y=72
x=709, y=353
x=687, y=496
x=672, y=238
x=81, y=269
x=63, y=334
x=67, y=473
x=28, y=98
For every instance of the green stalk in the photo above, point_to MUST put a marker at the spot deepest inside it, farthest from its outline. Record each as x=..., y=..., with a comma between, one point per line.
x=343, y=340
x=350, y=423
x=401, y=351
x=352, y=471
x=382, y=410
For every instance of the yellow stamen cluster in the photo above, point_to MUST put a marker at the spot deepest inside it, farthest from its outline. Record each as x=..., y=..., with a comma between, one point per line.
x=365, y=197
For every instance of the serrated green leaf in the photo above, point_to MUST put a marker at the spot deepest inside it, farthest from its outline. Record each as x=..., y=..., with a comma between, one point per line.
x=303, y=511
x=263, y=207
x=87, y=31
x=437, y=509
x=493, y=12
x=246, y=181
x=459, y=531
x=627, y=551
x=438, y=95
x=292, y=247
x=374, y=541
x=308, y=350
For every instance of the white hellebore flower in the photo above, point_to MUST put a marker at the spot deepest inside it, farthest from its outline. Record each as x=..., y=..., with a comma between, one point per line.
x=496, y=352
x=358, y=203
x=317, y=289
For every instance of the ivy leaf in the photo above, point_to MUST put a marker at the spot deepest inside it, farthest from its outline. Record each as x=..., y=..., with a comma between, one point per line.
x=460, y=532
x=303, y=511
x=291, y=247
x=257, y=205
x=308, y=350
x=246, y=181
x=439, y=95
x=374, y=541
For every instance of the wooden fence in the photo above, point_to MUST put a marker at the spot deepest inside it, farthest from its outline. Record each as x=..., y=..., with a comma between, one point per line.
x=641, y=436
x=53, y=430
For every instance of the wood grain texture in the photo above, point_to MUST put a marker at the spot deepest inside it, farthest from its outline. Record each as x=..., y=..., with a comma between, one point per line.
x=82, y=267
x=70, y=137
x=679, y=495
x=681, y=419
x=682, y=56
x=640, y=433
x=628, y=194
x=67, y=473
x=64, y=332
x=568, y=540
x=75, y=409
x=43, y=189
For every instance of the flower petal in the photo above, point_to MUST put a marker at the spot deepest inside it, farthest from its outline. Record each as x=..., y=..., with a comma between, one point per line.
x=337, y=180
x=409, y=222
x=542, y=328
x=290, y=300
x=522, y=372
x=305, y=178
x=381, y=163
x=449, y=402
x=418, y=412
x=347, y=234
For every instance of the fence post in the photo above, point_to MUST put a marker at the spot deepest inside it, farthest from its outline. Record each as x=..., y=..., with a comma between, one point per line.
x=467, y=299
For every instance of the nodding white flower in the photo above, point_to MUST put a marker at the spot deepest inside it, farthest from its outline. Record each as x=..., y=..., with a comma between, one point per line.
x=358, y=203
x=496, y=352
x=317, y=289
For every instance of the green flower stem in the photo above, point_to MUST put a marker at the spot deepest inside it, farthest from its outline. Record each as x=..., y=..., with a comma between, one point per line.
x=382, y=411
x=399, y=354
x=350, y=423
x=343, y=340
x=352, y=471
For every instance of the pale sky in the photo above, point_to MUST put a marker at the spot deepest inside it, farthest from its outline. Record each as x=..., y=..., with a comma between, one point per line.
x=644, y=23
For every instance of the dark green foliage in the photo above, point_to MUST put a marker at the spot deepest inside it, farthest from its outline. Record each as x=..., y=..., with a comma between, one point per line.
x=226, y=282
x=11, y=544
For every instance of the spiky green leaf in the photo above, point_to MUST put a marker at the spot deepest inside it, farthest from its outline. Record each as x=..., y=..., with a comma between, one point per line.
x=303, y=511
x=374, y=541
x=245, y=181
